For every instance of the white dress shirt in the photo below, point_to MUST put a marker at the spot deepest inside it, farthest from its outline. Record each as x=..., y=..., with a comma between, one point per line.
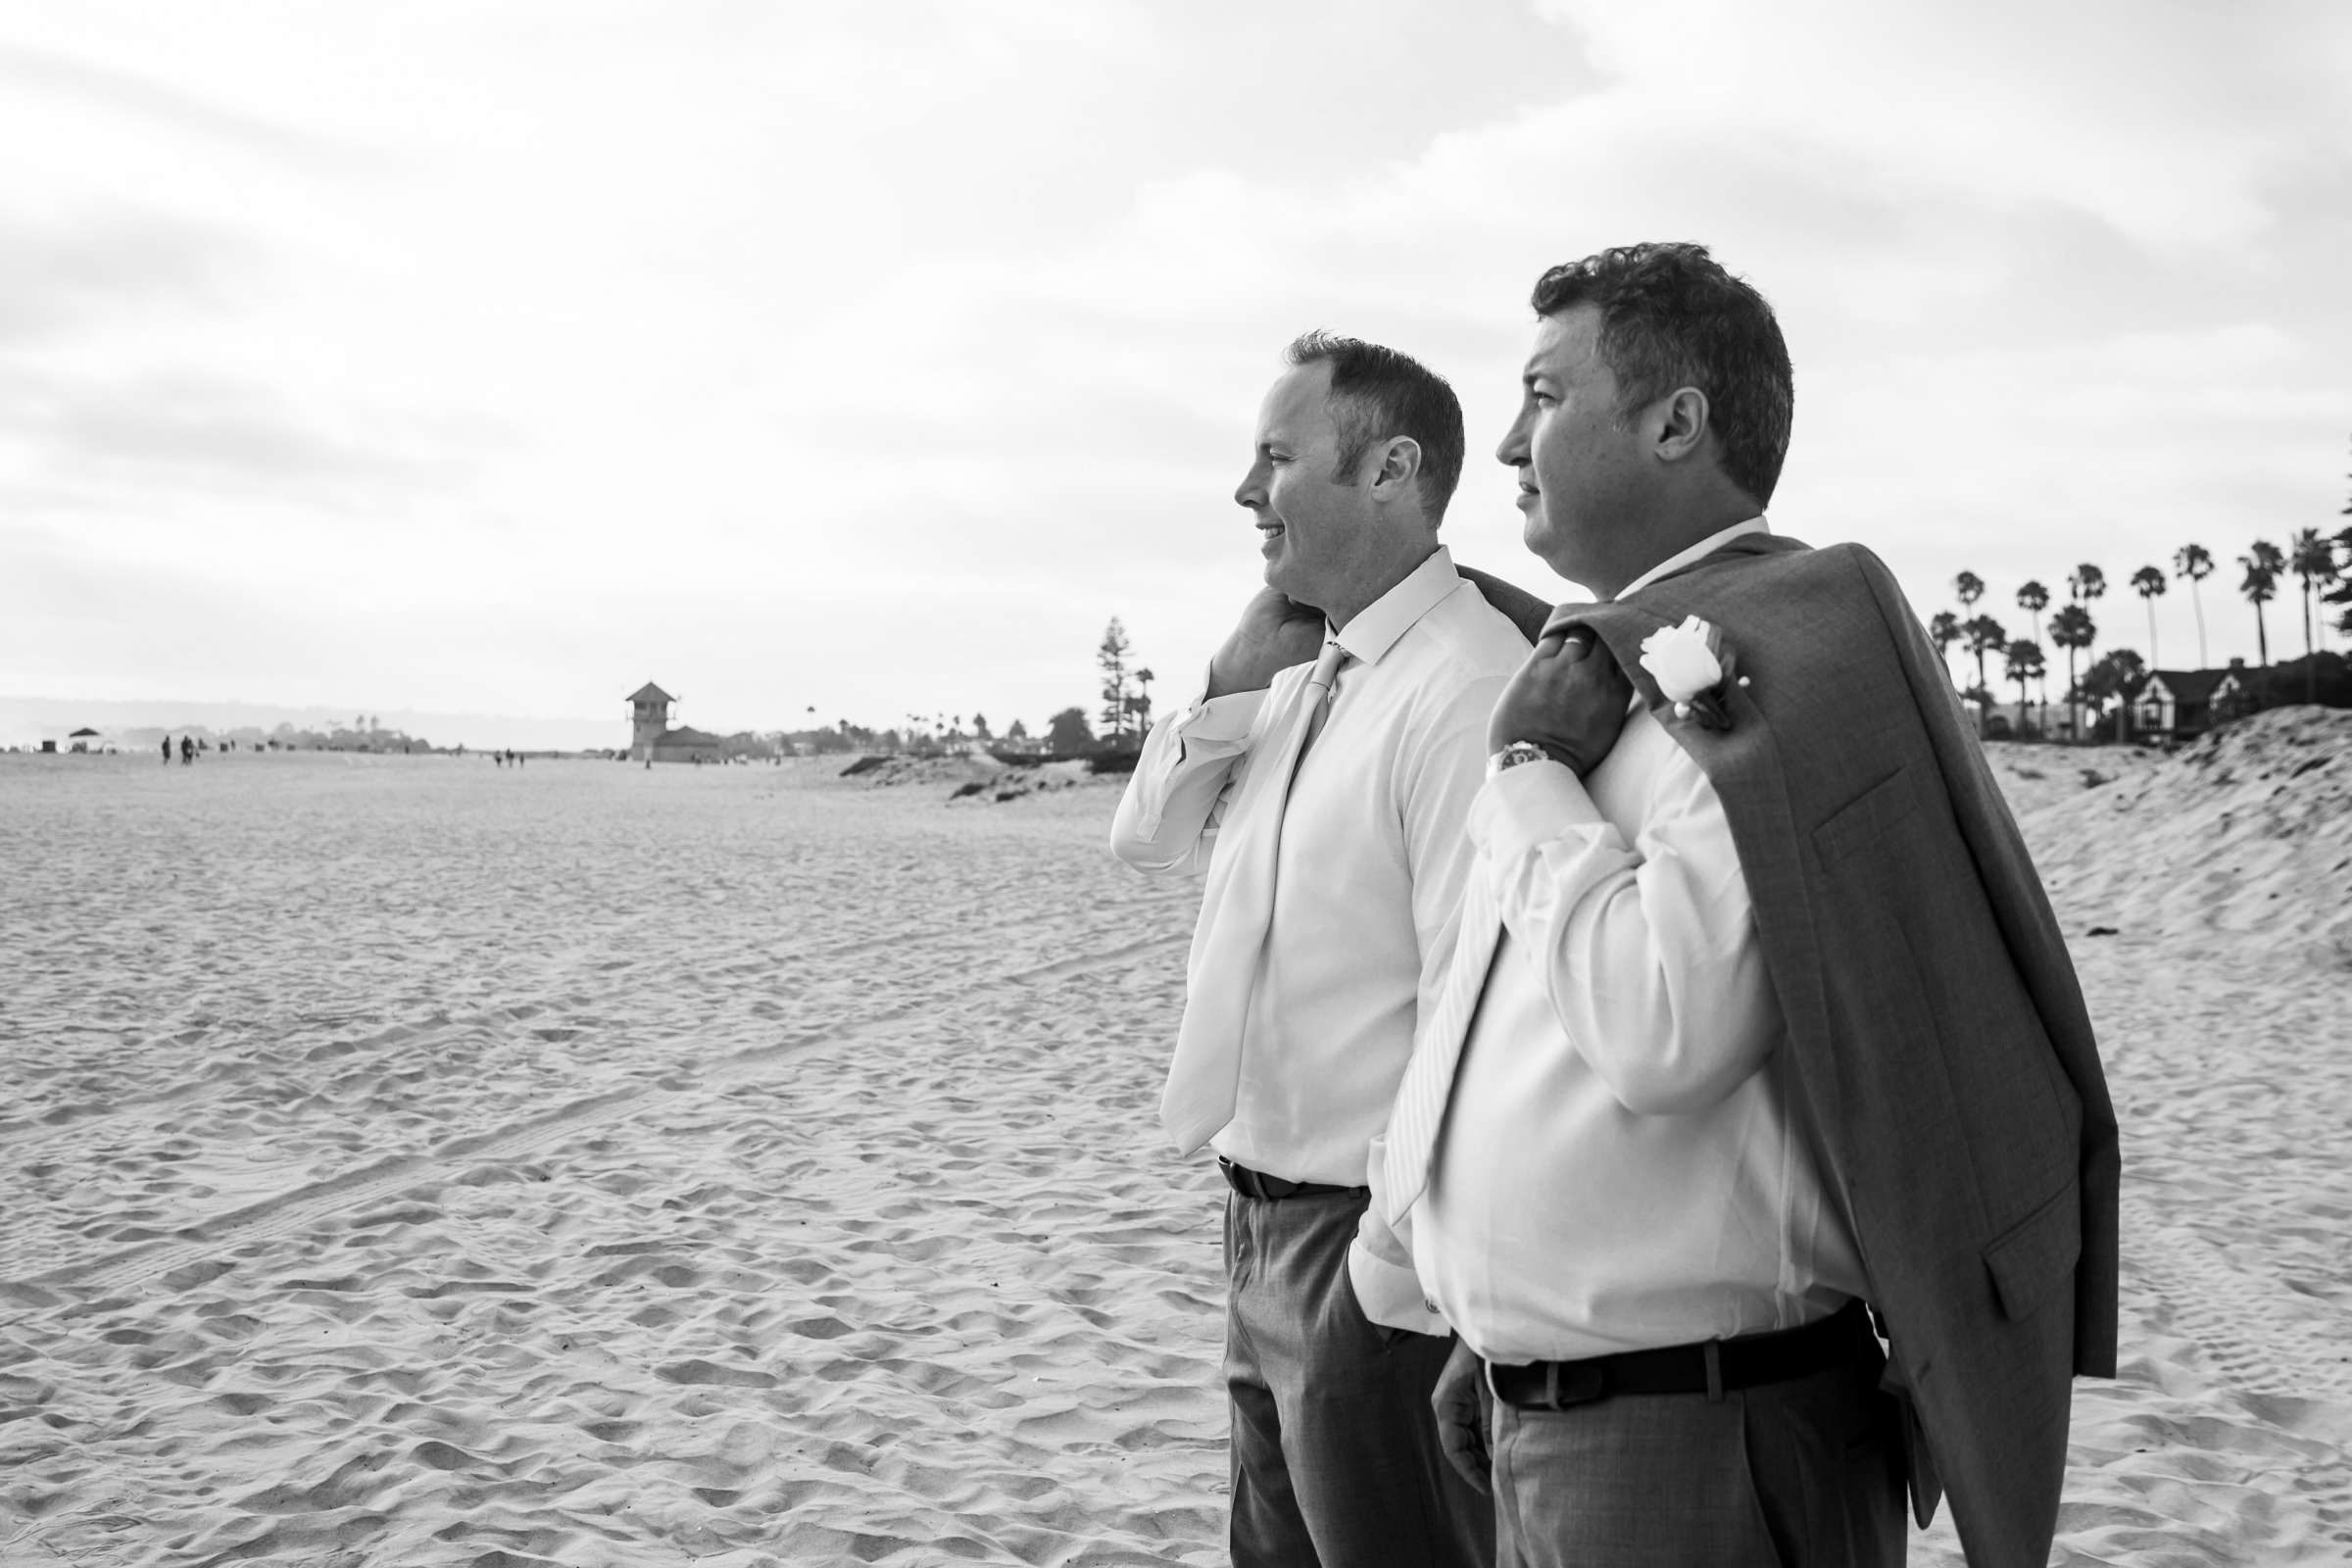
x=1617, y=1168
x=1369, y=876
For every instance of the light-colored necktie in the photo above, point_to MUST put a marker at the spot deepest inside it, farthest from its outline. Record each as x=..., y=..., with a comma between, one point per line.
x=1236, y=907
x=1419, y=1110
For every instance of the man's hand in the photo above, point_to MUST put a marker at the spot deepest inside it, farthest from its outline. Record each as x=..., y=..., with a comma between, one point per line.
x=1569, y=697
x=1275, y=633
x=1460, y=1400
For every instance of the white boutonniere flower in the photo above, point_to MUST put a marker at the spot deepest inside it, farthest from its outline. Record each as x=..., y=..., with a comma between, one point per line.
x=1693, y=668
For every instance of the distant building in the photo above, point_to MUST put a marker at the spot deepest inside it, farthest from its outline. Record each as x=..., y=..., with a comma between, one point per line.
x=686, y=744
x=651, y=739
x=2173, y=705
x=82, y=737
x=648, y=719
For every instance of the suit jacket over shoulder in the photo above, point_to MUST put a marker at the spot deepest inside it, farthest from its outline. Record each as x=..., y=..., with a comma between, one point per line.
x=1949, y=1075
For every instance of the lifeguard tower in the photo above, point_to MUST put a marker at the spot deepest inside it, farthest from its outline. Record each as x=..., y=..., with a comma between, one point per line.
x=649, y=721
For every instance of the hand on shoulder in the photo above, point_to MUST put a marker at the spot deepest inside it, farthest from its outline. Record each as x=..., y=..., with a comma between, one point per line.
x=1275, y=632
x=1569, y=697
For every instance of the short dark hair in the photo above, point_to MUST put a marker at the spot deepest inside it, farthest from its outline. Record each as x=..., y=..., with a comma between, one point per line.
x=1670, y=317
x=1377, y=394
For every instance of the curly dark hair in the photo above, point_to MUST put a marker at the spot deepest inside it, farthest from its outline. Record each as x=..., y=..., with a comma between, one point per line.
x=1670, y=317
x=1378, y=392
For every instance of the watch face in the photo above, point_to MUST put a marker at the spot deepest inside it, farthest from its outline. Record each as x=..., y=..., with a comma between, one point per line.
x=1514, y=755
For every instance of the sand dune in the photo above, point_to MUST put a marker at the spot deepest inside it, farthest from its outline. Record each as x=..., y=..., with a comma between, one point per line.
x=413, y=1162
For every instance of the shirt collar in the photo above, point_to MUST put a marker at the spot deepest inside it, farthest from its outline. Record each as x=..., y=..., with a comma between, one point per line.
x=1380, y=624
x=1697, y=552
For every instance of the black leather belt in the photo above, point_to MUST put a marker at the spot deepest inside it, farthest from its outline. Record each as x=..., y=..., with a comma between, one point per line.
x=1709, y=1368
x=1256, y=1184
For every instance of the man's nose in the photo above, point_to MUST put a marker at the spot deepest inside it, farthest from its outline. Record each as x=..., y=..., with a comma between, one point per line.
x=1513, y=450
x=1252, y=491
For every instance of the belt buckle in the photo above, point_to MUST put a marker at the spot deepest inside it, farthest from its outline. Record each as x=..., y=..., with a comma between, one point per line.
x=1583, y=1383
x=1250, y=1183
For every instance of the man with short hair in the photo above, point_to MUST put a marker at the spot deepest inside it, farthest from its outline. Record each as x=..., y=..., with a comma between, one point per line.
x=1320, y=779
x=1758, y=1014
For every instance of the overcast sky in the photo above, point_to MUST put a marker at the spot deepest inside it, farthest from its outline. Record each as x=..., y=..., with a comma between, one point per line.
x=500, y=357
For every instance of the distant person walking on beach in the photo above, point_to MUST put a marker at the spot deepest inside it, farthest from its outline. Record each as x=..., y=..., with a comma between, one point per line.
x=187, y=750
x=166, y=751
x=1321, y=778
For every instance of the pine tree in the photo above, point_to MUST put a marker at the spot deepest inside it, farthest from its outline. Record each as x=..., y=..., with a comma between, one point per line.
x=1112, y=659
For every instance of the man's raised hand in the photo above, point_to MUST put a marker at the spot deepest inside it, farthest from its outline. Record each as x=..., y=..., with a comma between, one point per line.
x=1275, y=633
x=1569, y=697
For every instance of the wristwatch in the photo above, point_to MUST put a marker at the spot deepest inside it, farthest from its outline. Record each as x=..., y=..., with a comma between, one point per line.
x=1514, y=755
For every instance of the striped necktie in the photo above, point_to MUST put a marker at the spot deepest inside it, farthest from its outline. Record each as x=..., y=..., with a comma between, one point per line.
x=1236, y=908
x=1419, y=1112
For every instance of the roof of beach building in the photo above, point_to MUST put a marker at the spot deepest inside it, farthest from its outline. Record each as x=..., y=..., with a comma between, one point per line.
x=650, y=693
x=688, y=735
x=2192, y=685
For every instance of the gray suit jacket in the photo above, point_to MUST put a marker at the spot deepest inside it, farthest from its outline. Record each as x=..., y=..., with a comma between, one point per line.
x=1949, y=1077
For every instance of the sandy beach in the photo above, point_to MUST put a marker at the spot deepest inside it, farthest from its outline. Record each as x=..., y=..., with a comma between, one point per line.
x=412, y=1163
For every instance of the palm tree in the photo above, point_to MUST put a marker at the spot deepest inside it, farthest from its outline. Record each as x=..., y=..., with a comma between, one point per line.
x=2071, y=628
x=2150, y=586
x=2312, y=557
x=1983, y=634
x=1970, y=587
x=2033, y=598
x=2341, y=593
x=2024, y=660
x=2314, y=561
x=1943, y=631
x=2195, y=562
x=2085, y=583
x=2263, y=565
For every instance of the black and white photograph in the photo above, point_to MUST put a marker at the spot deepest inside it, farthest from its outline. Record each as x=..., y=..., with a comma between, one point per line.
x=1098, y=783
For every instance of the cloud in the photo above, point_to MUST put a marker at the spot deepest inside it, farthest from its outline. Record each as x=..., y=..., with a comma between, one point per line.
x=735, y=344
x=197, y=437
x=114, y=90
x=2137, y=114
x=96, y=272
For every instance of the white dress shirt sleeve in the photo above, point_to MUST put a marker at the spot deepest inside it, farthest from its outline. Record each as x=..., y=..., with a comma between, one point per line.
x=1441, y=779
x=1647, y=953
x=1167, y=819
x=1380, y=1266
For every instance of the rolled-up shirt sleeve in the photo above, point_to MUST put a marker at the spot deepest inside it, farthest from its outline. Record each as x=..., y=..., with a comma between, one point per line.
x=1167, y=819
x=1380, y=1262
x=1648, y=953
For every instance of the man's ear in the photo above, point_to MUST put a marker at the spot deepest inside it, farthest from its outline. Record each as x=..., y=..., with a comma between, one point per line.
x=1399, y=466
x=1682, y=424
